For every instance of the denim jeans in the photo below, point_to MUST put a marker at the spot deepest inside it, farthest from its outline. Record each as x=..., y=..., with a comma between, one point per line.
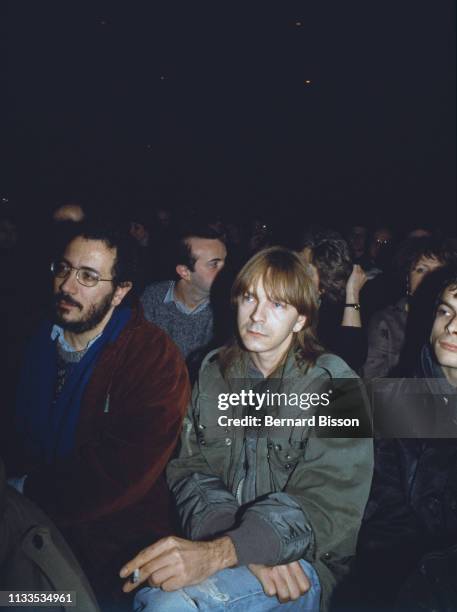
x=231, y=590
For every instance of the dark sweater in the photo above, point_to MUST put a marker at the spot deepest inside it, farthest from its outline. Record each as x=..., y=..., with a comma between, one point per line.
x=191, y=332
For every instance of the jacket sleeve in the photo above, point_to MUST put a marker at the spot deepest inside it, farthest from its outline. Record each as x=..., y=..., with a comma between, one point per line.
x=128, y=442
x=205, y=506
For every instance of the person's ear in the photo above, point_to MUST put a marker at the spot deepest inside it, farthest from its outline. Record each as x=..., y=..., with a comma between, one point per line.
x=121, y=291
x=183, y=271
x=300, y=323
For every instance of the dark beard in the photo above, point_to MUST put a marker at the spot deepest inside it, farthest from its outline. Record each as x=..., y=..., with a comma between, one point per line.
x=92, y=319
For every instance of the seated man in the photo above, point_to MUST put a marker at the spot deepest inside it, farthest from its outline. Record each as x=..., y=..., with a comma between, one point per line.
x=280, y=505
x=100, y=406
x=407, y=549
x=183, y=308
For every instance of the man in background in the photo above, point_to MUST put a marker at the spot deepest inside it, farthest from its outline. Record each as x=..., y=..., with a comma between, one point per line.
x=182, y=307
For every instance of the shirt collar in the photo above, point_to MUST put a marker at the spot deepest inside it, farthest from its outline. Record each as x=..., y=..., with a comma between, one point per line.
x=57, y=332
x=171, y=298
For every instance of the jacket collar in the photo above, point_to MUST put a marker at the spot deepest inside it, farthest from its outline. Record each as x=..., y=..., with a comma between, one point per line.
x=431, y=369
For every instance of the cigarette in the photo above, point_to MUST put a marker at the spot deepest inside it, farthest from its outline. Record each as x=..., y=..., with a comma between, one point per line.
x=135, y=576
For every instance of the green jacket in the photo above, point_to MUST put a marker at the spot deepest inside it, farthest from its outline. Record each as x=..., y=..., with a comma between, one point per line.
x=310, y=491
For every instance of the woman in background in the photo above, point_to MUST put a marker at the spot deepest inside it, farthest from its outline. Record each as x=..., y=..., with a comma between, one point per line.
x=415, y=260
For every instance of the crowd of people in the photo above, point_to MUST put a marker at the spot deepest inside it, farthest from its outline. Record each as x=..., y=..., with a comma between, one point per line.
x=122, y=334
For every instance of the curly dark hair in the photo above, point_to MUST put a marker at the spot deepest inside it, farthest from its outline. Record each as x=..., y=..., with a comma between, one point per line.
x=331, y=256
x=333, y=262
x=114, y=236
x=433, y=247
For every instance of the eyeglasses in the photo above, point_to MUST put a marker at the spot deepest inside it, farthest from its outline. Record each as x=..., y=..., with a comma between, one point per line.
x=84, y=276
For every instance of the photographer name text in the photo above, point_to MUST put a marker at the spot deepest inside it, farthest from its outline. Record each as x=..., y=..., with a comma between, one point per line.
x=321, y=420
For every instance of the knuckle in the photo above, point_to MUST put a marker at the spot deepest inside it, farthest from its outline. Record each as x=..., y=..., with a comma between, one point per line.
x=171, y=542
x=177, y=557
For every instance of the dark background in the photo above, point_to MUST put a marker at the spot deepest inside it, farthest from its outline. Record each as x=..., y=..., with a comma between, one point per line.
x=197, y=103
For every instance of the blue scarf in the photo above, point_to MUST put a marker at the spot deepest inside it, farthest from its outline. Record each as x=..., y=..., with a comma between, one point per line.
x=47, y=428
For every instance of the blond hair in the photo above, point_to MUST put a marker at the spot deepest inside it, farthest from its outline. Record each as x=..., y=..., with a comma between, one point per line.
x=285, y=278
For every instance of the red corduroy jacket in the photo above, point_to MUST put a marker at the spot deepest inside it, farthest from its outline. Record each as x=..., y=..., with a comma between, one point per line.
x=110, y=498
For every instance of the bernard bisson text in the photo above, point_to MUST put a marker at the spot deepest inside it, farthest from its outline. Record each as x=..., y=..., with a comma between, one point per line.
x=271, y=421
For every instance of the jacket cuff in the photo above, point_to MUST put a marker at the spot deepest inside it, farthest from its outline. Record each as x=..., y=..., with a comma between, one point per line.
x=255, y=541
x=199, y=499
x=216, y=523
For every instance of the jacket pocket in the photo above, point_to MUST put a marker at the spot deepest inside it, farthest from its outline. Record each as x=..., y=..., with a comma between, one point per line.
x=216, y=451
x=283, y=457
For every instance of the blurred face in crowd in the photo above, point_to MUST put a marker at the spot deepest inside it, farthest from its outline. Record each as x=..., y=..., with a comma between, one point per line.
x=260, y=235
x=209, y=255
x=140, y=232
x=356, y=240
x=79, y=308
x=265, y=326
x=164, y=217
x=444, y=334
x=381, y=239
x=420, y=270
x=68, y=212
x=419, y=233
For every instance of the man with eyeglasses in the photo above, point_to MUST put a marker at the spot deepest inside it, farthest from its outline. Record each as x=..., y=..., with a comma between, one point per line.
x=101, y=400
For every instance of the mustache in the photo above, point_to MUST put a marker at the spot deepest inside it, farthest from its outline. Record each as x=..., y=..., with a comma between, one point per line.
x=66, y=298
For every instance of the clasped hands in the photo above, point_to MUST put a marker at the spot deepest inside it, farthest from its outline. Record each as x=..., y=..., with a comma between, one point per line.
x=173, y=563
